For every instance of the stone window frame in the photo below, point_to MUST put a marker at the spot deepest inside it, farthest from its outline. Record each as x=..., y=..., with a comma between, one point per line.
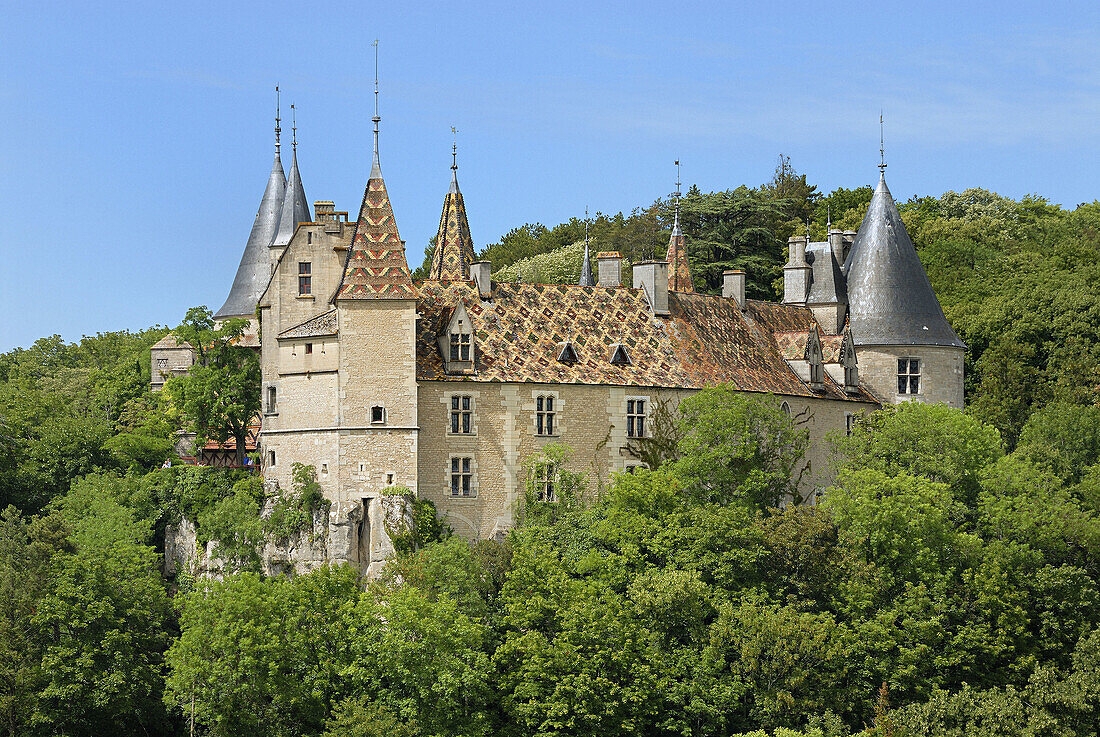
x=849, y=423
x=556, y=413
x=631, y=401
x=271, y=400
x=544, y=479
x=785, y=408
x=305, y=279
x=448, y=402
x=382, y=414
x=448, y=472
x=461, y=343
x=909, y=375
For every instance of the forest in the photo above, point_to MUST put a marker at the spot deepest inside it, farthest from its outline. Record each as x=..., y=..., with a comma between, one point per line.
x=947, y=584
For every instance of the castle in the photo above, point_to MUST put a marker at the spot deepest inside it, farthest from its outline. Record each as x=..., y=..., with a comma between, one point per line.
x=452, y=385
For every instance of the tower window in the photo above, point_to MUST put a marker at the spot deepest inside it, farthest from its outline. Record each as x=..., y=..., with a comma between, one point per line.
x=544, y=476
x=309, y=348
x=271, y=399
x=462, y=414
x=460, y=344
x=162, y=363
x=544, y=414
x=271, y=458
x=635, y=418
x=377, y=414
x=305, y=278
x=462, y=476
x=908, y=376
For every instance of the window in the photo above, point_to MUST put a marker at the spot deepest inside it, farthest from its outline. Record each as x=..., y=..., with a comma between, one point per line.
x=635, y=418
x=462, y=476
x=544, y=414
x=785, y=409
x=389, y=479
x=377, y=414
x=305, y=278
x=309, y=348
x=544, y=476
x=309, y=238
x=460, y=344
x=618, y=355
x=271, y=458
x=851, y=377
x=849, y=423
x=462, y=414
x=162, y=363
x=271, y=397
x=908, y=376
x=568, y=353
x=817, y=371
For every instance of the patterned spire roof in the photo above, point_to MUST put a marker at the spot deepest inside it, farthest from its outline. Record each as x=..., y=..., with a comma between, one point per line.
x=454, y=249
x=586, y=279
x=376, y=267
x=679, y=274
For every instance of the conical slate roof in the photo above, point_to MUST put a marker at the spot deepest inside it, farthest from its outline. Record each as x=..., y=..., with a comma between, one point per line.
x=255, y=267
x=454, y=249
x=586, y=279
x=376, y=267
x=295, y=206
x=890, y=299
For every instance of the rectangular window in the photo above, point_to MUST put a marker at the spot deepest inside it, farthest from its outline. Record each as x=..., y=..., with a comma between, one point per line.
x=305, y=277
x=462, y=476
x=849, y=423
x=908, y=376
x=462, y=414
x=309, y=348
x=162, y=363
x=545, y=475
x=544, y=415
x=271, y=458
x=460, y=346
x=377, y=414
x=271, y=397
x=635, y=418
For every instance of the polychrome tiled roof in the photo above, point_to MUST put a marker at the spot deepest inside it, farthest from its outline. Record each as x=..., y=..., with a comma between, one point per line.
x=454, y=249
x=679, y=273
x=705, y=340
x=376, y=267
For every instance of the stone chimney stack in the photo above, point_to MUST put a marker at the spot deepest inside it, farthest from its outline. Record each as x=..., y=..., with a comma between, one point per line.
x=733, y=286
x=479, y=272
x=610, y=269
x=836, y=245
x=324, y=211
x=796, y=272
x=847, y=239
x=652, y=278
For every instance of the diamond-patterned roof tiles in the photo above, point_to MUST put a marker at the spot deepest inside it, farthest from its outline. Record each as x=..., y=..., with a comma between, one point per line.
x=376, y=267
x=454, y=249
x=705, y=340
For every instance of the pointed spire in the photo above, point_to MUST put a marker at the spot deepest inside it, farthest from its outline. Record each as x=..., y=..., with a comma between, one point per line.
x=881, y=145
x=254, y=270
x=454, y=248
x=890, y=300
x=586, y=279
x=375, y=266
x=295, y=205
x=376, y=168
x=679, y=272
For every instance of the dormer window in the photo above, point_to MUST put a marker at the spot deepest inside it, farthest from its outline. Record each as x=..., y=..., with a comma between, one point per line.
x=456, y=341
x=619, y=356
x=816, y=359
x=567, y=354
x=460, y=343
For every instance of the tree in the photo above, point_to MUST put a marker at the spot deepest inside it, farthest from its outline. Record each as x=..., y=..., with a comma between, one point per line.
x=220, y=396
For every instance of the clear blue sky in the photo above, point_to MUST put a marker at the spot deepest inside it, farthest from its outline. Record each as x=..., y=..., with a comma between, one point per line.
x=136, y=139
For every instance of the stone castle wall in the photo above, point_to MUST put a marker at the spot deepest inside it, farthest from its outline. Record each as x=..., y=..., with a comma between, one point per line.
x=941, y=373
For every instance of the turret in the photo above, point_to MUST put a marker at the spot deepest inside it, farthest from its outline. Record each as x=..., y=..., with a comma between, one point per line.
x=255, y=267
x=906, y=348
x=679, y=271
x=295, y=205
x=454, y=248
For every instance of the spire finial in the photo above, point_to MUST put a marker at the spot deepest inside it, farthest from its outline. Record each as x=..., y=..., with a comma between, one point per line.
x=586, y=279
x=377, y=119
x=586, y=230
x=807, y=230
x=294, y=128
x=454, y=148
x=278, y=120
x=881, y=144
x=829, y=216
x=676, y=200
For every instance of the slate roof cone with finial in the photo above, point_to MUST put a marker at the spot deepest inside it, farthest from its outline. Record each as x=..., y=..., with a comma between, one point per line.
x=890, y=300
x=454, y=248
x=375, y=267
x=254, y=270
x=679, y=272
x=295, y=206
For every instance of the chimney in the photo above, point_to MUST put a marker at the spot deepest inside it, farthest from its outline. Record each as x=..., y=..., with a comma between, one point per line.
x=652, y=277
x=836, y=245
x=323, y=211
x=610, y=269
x=479, y=270
x=733, y=285
x=796, y=272
x=848, y=238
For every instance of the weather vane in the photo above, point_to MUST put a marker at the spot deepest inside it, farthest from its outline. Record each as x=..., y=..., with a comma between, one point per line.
x=293, y=127
x=278, y=119
x=454, y=148
x=881, y=144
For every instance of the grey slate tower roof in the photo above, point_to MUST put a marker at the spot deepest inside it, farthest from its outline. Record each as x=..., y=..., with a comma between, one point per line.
x=254, y=270
x=827, y=285
x=890, y=299
x=295, y=206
